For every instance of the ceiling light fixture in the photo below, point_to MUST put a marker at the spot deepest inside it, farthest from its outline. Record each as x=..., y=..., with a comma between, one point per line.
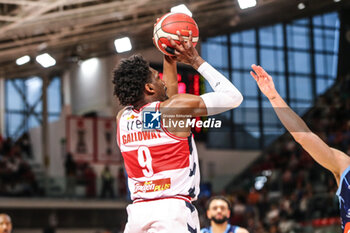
x=301, y=6
x=181, y=9
x=45, y=60
x=22, y=60
x=244, y=4
x=122, y=45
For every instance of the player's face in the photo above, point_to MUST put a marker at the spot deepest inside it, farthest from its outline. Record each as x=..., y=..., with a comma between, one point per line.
x=5, y=224
x=218, y=211
x=159, y=85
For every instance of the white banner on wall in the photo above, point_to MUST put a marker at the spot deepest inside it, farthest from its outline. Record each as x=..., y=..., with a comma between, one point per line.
x=92, y=139
x=107, y=149
x=80, y=138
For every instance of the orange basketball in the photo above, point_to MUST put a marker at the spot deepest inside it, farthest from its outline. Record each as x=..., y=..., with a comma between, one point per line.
x=168, y=24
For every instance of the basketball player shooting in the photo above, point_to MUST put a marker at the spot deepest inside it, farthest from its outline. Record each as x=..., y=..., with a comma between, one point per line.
x=332, y=159
x=162, y=164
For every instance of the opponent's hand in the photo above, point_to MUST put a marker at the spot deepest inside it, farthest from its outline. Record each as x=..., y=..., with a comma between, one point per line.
x=185, y=51
x=264, y=81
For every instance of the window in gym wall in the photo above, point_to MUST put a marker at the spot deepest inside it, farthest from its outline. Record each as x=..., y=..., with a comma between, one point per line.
x=326, y=40
x=23, y=104
x=54, y=101
x=301, y=56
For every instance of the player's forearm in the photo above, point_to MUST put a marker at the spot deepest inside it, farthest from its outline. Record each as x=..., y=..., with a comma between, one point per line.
x=170, y=77
x=225, y=96
x=291, y=121
x=313, y=144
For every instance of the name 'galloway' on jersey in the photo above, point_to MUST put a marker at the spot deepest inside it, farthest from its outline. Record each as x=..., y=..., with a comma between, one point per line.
x=158, y=163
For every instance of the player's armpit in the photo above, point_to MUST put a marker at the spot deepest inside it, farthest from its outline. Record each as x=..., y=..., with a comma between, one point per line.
x=342, y=159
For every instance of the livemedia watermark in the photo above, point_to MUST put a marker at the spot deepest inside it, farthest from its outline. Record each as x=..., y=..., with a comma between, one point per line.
x=156, y=120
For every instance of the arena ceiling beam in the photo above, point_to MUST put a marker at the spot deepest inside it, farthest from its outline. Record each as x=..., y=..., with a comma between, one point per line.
x=62, y=26
x=32, y=14
x=8, y=18
x=23, y=2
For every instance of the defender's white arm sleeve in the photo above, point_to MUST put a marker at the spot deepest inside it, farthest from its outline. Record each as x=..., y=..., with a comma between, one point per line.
x=225, y=96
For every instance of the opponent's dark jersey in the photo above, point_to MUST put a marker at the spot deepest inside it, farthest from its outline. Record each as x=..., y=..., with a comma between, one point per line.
x=229, y=229
x=344, y=199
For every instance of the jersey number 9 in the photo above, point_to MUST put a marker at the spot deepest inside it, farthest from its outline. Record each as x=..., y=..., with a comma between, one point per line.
x=145, y=160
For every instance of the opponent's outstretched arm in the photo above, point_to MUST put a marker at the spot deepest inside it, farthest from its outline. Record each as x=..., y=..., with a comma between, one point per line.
x=330, y=158
x=225, y=96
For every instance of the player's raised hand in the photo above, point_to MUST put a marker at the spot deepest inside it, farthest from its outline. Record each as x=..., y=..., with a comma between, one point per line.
x=169, y=59
x=185, y=51
x=264, y=81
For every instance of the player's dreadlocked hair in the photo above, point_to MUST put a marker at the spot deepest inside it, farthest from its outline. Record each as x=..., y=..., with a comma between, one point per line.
x=129, y=79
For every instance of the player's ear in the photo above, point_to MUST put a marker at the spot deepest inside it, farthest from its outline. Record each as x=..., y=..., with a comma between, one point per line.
x=149, y=88
x=208, y=216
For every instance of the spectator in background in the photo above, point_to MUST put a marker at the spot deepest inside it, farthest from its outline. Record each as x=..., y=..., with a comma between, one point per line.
x=218, y=212
x=107, y=183
x=7, y=145
x=273, y=229
x=24, y=144
x=253, y=196
x=5, y=223
x=90, y=180
x=239, y=210
x=16, y=175
x=121, y=183
x=273, y=214
x=70, y=170
x=52, y=223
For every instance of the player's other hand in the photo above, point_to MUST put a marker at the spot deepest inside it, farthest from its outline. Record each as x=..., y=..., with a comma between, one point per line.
x=169, y=59
x=185, y=51
x=264, y=81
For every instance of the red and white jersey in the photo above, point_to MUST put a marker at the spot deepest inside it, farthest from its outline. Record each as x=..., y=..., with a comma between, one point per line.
x=158, y=163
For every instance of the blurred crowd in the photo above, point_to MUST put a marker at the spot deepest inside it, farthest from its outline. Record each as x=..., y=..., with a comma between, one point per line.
x=83, y=175
x=295, y=191
x=16, y=175
x=19, y=179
